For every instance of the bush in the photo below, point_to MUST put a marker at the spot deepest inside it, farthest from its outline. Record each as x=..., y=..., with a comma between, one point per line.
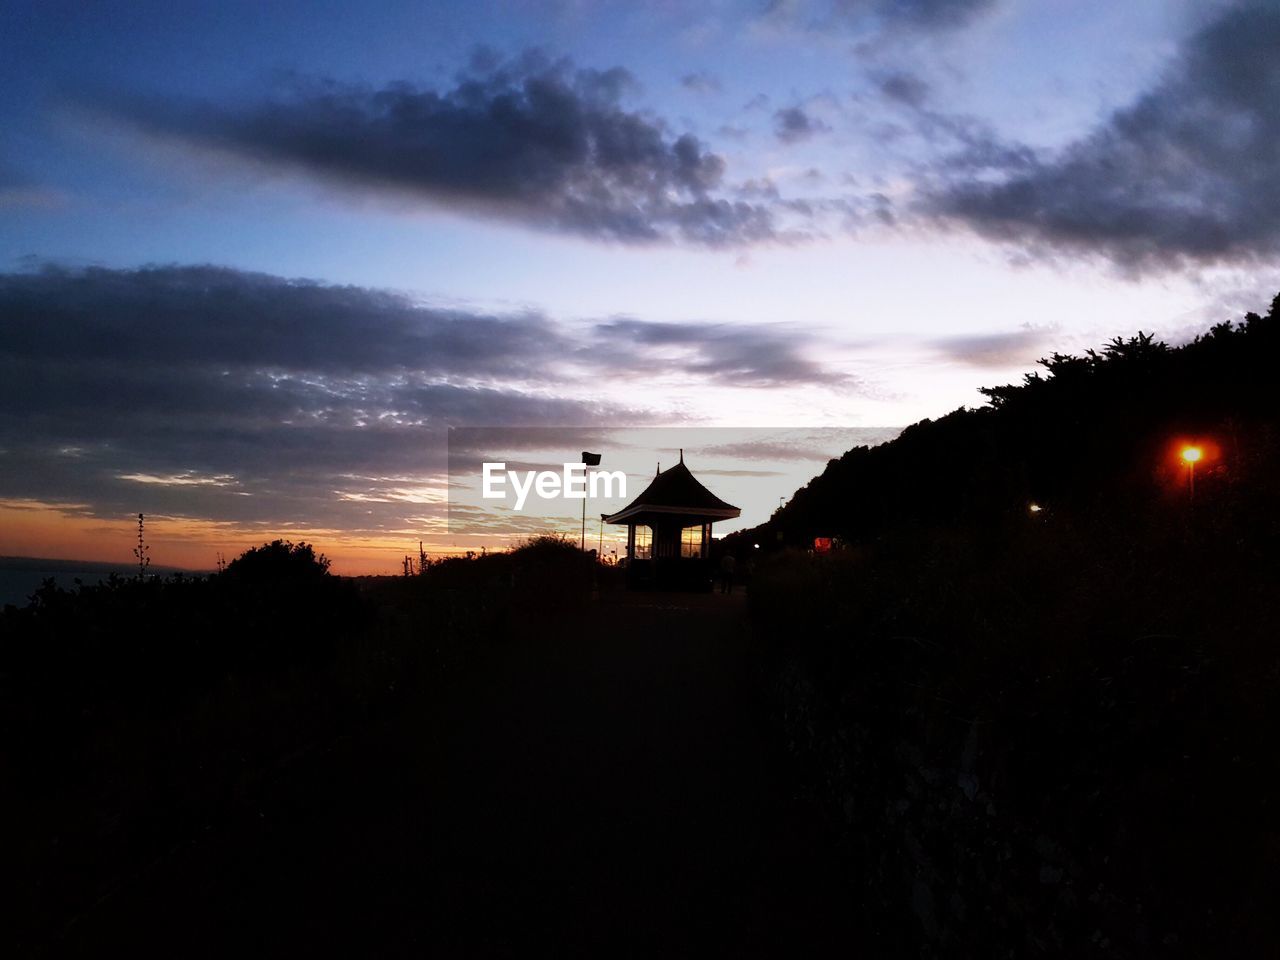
x=1053, y=739
x=1048, y=732
x=278, y=562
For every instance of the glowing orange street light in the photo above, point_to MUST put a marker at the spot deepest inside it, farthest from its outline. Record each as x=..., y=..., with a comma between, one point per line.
x=1191, y=456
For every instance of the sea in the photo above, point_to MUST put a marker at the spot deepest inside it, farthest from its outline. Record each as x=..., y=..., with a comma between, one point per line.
x=20, y=577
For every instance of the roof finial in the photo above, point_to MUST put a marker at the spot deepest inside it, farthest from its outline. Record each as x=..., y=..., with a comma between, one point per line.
x=682, y=454
x=659, y=468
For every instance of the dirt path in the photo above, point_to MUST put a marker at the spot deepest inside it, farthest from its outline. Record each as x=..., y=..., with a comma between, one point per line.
x=612, y=793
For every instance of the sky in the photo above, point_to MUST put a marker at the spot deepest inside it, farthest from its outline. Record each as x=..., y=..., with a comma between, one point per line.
x=257, y=259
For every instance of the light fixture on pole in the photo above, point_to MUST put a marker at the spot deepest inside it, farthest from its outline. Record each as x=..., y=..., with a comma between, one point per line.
x=588, y=460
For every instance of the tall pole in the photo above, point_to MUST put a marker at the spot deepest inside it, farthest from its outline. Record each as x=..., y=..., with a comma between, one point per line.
x=1190, y=456
x=588, y=460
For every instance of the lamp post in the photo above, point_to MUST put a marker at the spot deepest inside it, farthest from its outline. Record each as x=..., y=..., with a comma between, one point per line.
x=1191, y=456
x=588, y=460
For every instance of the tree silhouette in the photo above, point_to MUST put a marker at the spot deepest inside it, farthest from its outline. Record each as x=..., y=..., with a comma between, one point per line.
x=277, y=562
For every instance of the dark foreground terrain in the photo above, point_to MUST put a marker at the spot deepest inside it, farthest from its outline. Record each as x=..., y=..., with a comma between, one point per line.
x=604, y=784
x=1026, y=706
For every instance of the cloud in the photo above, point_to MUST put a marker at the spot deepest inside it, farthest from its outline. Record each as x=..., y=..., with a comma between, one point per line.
x=531, y=141
x=752, y=474
x=904, y=87
x=245, y=398
x=701, y=82
x=218, y=318
x=727, y=354
x=974, y=148
x=818, y=444
x=913, y=15
x=1189, y=173
x=793, y=124
x=17, y=190
x=921, y=14
x=266, y=398
x=996, y=350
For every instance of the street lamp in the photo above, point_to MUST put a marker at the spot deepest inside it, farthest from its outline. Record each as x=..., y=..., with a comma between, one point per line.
x=588, y=460
x=1191, y=456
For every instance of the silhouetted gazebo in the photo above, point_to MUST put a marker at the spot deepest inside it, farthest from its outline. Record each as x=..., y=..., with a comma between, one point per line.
x=669, y=530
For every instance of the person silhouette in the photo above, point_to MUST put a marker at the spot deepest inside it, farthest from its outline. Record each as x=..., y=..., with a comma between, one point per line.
x=727, y=566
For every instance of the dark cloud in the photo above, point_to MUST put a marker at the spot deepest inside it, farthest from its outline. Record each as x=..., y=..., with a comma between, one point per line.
x=922, y=14
x=918, y=15
x=903, y=87
x=701, y=82
x=973, y=148
x=793, y=124
x=763, y=188
x=1190, y=172
x=996, y=350
x=246, y=398
x=727, y=354
x=213, y=317
x=532, y=141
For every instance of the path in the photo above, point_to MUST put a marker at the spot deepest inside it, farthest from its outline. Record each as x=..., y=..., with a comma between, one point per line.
x=612, y=794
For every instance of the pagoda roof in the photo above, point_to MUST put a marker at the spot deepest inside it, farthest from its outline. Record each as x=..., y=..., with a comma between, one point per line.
x=675, y=492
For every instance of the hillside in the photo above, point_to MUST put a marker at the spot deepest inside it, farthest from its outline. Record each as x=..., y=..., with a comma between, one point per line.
x=1048, y=732
x=1102, y=429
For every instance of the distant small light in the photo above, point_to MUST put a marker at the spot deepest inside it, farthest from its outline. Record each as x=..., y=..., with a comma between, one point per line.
x=1192, y=454
x=1035, y=508
x=756, y=546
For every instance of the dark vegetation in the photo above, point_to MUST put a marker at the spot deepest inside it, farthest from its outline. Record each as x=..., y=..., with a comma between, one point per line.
x=142, y=716
x=1051, y=732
